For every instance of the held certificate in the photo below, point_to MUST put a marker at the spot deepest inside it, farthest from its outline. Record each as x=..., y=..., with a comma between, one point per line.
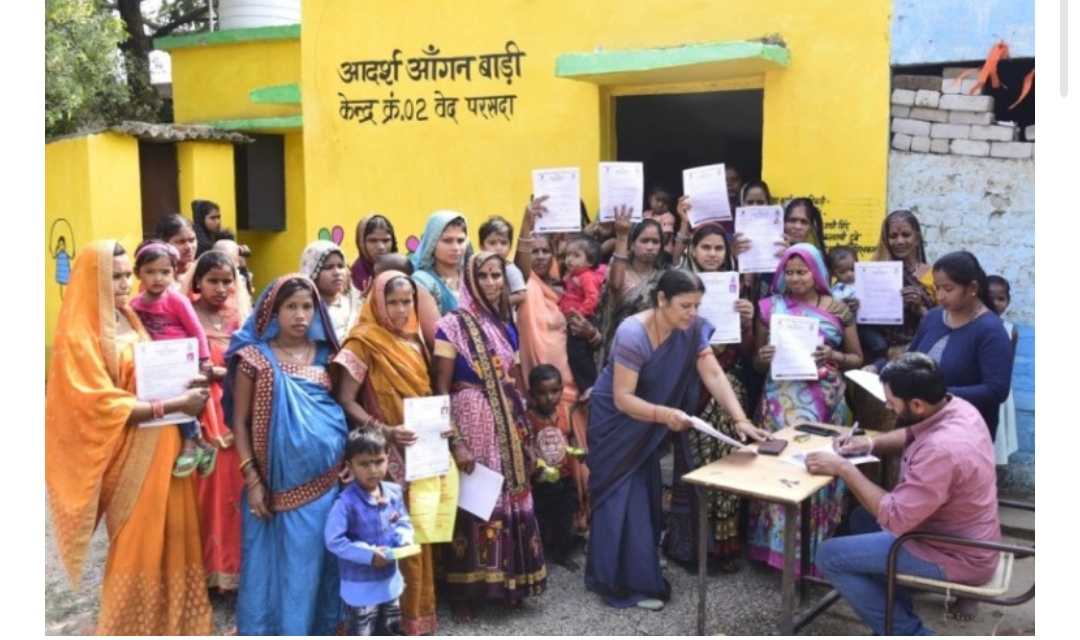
x=707, y=188
x=622, y=184
x=878, y=286
x=163, y=370
x=764, y=227
x=795, y=339
x=430, y=455
x=718, y=306
x=563, y=189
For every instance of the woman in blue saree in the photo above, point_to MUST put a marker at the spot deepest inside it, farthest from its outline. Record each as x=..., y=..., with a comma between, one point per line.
x=659, y=360
x=437, y=267
x=290, y=436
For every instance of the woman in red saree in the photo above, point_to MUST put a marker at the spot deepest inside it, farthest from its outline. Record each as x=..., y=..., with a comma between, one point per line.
x=221, y=306
x=98, y=463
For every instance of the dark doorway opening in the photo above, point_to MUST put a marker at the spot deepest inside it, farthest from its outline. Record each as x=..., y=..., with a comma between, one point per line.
x=673, y=132
x=159, y=183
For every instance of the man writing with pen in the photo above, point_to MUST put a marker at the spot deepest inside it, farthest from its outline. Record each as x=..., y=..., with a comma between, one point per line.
x=947, y=485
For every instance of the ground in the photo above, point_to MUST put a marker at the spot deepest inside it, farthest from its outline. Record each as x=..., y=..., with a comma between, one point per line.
x=741, y=604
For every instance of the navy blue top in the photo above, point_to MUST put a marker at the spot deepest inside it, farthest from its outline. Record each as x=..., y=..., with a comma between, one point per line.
x=977, y=360
x=358, y=525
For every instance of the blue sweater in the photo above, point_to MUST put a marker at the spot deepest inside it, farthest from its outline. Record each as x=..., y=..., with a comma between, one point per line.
x=357, y=526
x=977, y=360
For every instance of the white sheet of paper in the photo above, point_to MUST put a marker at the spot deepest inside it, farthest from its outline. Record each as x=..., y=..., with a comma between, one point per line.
x=718, y=306
x=764, y=227
x=799, y=458
x=563, y=189
x=163, y=371
x=709, y=430
x=622, y=184
x=479, y=491
x=795, y=338
x=429, y=456
x=878, y=285
x=869, y=381
x=707, y=189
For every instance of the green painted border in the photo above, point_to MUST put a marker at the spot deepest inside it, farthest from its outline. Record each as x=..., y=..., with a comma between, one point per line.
x=228, y=36
x=259, y=124
x=277, y=94
x=571, y=65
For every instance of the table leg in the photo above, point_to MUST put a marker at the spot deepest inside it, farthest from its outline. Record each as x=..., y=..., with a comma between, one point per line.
x=787, y=580
x=804, y=550
x=703, y=529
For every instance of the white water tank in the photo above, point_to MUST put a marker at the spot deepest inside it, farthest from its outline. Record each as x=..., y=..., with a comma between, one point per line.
x=245, y=14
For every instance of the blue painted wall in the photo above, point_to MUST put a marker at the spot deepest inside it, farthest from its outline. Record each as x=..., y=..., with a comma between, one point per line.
x=942, y=31
x=1024, y=394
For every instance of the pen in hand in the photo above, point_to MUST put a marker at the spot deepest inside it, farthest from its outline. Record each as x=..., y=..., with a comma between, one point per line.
x=855, y=431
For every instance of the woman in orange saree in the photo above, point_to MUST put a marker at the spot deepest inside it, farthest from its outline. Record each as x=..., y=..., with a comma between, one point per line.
x=543, y=329
x=99, y=464
x=383, y=361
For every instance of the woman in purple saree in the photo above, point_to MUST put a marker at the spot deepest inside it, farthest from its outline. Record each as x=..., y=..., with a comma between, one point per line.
x=659, y=360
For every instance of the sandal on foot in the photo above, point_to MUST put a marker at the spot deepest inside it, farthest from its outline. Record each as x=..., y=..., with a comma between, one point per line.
x=650, y=604
x=207, y=460
x=186, y=463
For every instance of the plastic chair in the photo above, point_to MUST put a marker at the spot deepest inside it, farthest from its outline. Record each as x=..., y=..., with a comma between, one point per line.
x=993, y=591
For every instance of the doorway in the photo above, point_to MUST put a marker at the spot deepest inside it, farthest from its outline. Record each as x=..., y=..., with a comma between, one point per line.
x=672, y=132
x=159, y=183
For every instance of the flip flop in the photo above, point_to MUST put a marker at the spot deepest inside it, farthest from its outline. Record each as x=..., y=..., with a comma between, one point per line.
x=186, y=464
x=207, y=460
x=650, y=604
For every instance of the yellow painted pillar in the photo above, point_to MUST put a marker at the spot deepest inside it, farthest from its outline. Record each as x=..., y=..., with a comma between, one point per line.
x=207, y=173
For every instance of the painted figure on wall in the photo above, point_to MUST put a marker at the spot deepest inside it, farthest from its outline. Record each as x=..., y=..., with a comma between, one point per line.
x=58, y=250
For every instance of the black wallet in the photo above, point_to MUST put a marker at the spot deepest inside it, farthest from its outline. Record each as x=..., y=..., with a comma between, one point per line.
x=772, y=448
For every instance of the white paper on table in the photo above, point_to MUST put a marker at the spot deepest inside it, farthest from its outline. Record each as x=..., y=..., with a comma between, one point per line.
x=479, y=491
x=563, y=189
x=869, y=381
x=163, y=371
x=707, y=190
x=718, y=306
x=709, y=430
x=429, y=456
x=795, y=339
x=622, y=184
x=878, y=286
x=764, y=227
x=799, y=458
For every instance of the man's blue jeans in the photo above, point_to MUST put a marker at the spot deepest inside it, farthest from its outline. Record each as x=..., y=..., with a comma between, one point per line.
x=855, y=565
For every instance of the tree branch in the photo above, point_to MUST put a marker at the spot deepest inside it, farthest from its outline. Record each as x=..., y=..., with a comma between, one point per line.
x=183, y=20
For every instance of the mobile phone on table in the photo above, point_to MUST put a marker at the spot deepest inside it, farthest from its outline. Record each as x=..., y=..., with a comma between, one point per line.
x=817, y=431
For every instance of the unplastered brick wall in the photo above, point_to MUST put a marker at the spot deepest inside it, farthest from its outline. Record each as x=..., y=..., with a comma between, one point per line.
x=937, y=114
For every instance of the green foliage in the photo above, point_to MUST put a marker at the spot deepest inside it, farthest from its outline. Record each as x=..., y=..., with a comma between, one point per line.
x=83, y=84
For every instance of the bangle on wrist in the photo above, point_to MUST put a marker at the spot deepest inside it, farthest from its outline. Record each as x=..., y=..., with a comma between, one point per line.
x=615, y=256
x=681, y=239
x=157, y=409
x=245, y=463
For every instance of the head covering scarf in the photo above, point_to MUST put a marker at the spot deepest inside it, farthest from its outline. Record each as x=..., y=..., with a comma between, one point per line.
x=363, y=269
x=424, y=258
x=199, y=210
x=472, y=297
x=812, y=257
x=90, y=396
x=315, y=255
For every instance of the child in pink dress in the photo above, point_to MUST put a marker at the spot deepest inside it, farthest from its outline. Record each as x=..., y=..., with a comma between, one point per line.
x=168, y=315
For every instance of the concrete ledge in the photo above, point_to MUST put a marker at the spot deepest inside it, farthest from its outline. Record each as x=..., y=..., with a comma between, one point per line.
x=228, y=36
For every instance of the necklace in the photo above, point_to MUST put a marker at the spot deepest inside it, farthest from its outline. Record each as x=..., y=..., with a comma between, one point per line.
x=302, y=357
x=218, y=324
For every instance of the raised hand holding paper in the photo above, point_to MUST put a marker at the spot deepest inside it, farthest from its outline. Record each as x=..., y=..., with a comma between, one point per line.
x=563, y=189
x=707, y=189
x=622, y=184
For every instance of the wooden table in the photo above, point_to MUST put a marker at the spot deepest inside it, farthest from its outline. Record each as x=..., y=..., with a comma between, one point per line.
x=770, y=479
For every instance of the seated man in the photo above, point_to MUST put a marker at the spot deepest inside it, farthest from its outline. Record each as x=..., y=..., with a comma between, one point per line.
x=947, y=485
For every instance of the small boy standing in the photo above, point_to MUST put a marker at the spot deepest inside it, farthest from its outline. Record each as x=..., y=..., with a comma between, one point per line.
x=583, y=285
x=554, y=491
x=368, y=519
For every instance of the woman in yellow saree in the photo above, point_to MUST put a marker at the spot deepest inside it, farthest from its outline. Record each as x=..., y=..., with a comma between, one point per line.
x=99, y=464
x=383, y=361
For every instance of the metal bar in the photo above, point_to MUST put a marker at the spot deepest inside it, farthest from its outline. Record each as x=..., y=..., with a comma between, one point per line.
x=1064, y=48
x=804, y=549
x=787, y=580
x=702, y=568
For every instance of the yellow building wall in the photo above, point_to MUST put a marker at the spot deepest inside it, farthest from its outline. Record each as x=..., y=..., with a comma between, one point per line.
x=207, y=173
x=213, y=82
x=91, y=193
x=825, y=115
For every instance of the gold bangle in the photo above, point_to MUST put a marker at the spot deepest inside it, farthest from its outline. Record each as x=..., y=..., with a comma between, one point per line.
x=245, y=462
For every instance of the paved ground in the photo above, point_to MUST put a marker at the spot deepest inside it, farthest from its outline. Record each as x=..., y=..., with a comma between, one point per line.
x=740, y=604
